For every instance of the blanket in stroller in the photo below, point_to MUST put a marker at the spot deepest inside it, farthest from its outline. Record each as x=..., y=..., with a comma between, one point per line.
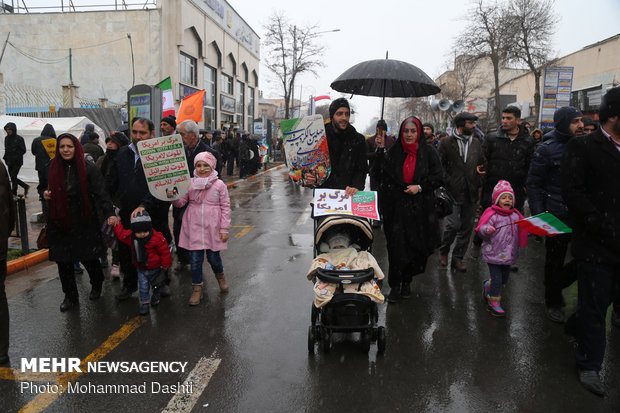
x=345, y=259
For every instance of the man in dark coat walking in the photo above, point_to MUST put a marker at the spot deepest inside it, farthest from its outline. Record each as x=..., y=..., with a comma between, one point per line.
x=7, y=220
x=14, y=150
x=590, y=169
x=347, y=152
x=545, y=194
x=463, y=161
x=44, y=148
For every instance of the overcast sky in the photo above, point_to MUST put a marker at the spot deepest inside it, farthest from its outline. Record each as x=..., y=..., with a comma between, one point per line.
x=416, y=31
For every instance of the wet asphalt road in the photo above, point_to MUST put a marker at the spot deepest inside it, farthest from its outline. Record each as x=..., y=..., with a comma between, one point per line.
x=445, y=353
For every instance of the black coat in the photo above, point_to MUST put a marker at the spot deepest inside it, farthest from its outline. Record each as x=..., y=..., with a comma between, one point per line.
x=14, y=149
x=7, y=212
x=509, y=160
x=347, y=157
x=590, y=170
x=544, y=181
x=83, y=240
x=409, y=221
x=460, y=176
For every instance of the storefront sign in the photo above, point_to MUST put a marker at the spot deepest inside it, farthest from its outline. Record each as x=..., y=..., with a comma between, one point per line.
x=227, y=104
x=558, y=83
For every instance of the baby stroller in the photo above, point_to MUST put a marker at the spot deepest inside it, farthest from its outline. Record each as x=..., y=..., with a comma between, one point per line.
x=346, y=312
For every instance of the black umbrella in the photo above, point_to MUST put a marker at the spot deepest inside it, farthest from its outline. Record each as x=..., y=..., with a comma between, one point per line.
x=385, y=78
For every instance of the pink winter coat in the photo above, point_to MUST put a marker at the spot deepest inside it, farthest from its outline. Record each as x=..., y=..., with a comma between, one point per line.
x=206, y=216
x=501, y=247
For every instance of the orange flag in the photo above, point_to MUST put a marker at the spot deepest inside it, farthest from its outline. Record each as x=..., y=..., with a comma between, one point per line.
x=191, y=107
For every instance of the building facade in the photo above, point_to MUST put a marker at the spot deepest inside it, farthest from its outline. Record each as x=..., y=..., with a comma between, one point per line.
x=199, y=44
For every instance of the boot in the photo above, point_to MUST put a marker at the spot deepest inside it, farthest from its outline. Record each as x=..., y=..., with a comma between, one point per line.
x=196, y=295
x=494, y=306
x=68, y=303
x=221, y=280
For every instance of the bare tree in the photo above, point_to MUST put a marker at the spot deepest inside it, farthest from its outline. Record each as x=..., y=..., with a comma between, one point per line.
x=291, y=51
x=489, y=33
x=535, y=24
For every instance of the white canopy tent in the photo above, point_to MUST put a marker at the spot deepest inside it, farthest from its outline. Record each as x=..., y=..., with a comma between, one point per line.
x=30, y=128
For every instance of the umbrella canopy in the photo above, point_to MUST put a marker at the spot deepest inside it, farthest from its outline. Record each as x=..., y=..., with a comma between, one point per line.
x=385, y=78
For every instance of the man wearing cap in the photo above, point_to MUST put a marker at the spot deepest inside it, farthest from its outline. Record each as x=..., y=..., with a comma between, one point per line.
x=463, y=162
x=379, y=140
x=92, y=148
x=168, y=125
x=429, y=135
x=347, y=152
x=544, y=193
x=590, y=169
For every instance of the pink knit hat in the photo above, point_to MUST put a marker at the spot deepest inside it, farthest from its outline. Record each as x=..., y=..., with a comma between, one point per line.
x=502, y=187
x=206, y=157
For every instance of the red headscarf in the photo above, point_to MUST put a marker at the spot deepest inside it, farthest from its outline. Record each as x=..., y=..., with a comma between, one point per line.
x=410, y=148
x=59, y=206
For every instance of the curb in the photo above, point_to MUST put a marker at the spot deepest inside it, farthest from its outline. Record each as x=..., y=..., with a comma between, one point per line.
x=27, y=261
x=37, y=257
x=249, y=178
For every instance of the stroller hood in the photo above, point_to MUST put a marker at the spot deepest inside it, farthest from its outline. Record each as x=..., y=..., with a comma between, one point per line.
x=359, y=229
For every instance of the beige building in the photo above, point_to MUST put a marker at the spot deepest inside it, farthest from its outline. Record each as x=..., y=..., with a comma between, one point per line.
x=595, y=69
x=200, y=44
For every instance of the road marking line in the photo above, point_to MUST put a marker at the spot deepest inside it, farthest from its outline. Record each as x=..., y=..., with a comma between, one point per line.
x=43, y=400
x=8, y=373
x=198, y=379
x=304, y=216
x=244, y=231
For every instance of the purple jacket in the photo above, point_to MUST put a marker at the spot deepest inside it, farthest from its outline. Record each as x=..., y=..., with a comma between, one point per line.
x=501, y=247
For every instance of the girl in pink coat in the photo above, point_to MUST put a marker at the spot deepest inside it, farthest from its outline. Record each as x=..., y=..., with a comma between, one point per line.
x=501, y=239
x=206, y=223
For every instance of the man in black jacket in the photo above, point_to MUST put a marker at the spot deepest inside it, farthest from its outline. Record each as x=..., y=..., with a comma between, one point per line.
x=590, y=169
x=545, y=194
x=508, y=152
x=347, y=152
x=14, y=150
x=128, y=182
x=7, y=220
x=463, y=162
x=44, y=148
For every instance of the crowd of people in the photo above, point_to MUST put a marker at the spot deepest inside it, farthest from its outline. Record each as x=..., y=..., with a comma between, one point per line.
x=568, y=171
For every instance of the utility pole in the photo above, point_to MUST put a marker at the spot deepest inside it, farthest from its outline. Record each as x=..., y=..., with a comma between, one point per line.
x=4, y=47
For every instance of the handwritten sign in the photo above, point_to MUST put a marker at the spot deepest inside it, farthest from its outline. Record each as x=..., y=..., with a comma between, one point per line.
x=334, y=201
x=165, y=166
x=305, y=147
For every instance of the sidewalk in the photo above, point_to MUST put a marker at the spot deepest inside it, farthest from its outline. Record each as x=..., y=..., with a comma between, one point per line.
x=33, y=206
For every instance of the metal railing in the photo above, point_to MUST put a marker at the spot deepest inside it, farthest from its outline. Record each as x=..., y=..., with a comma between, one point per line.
x=70, y=6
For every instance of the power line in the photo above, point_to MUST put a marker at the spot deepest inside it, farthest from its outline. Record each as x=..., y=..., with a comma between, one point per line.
x=36, y=58
x=75, y=48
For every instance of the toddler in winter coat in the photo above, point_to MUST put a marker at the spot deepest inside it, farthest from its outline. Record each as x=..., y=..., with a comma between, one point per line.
x=501, y=241
x=149, y=253
x=206, y=223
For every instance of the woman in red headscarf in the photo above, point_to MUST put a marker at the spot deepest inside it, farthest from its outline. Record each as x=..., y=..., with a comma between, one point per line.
x=76, y=194
x=409, y=172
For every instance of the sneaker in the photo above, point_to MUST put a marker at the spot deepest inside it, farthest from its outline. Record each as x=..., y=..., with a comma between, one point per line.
x=591, y=381
x=124, y=294
x=556, y=315
x=405, y=290
x=486, y=287
x=495, y=308
x=115, y=272
x=144, y=309
x=475, y=251
x=459, y=266
x=393, y=296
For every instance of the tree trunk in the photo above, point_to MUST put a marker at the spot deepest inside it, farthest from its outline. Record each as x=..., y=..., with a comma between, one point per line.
x=537, y=95
x=498, y=112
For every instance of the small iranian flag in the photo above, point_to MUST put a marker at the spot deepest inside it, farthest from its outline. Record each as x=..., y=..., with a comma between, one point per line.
x=544, y=224
x=167, y=99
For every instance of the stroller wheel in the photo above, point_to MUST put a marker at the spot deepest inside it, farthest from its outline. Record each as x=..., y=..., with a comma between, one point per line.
x=327, y=341
x=381, y=340
x=311, y=340
x=365, y=336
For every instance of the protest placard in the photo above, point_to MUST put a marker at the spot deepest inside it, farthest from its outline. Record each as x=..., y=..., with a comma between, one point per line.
x=335, y=201
x=305, y=147
x=165, y=166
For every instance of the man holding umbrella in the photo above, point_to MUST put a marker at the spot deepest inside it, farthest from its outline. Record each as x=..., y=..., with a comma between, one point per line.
x=347, y=151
